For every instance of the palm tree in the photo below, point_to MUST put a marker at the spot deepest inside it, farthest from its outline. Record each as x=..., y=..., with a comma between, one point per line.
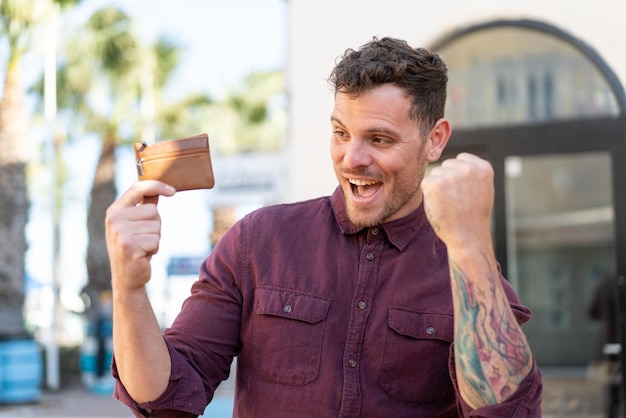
x=98, y=93
x=116, y=52
x=111, y=85
x=17, y=20
x=172, y=119
x=125, y=72
x=251, y=119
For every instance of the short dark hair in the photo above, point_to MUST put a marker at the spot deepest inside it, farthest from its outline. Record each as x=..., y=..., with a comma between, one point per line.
x=422, y=76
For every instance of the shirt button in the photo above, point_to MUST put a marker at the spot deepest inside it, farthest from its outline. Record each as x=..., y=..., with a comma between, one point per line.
x=374, y=231
x=287, y=309
x=352, y=363
x=370, y=256
x=361, y=305
x=430, y=330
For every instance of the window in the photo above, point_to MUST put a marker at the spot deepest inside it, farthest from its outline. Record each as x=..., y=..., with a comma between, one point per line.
x=509, y=75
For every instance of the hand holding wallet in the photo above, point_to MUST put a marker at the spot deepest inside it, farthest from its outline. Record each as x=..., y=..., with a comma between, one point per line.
x=183, y=163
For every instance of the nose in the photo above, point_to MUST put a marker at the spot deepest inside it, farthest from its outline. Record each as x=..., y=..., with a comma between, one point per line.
x=356, y=154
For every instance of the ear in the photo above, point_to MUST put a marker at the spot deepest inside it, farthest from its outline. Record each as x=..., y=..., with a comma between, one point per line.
x=438, y=139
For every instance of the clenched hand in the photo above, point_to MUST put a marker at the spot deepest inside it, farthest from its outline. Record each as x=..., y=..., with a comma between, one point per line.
x=133, y=232
x=458, y=198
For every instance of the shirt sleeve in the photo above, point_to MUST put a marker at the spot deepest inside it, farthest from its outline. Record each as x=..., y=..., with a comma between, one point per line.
x=526, y=401
x=183, y=398
x=203, y=339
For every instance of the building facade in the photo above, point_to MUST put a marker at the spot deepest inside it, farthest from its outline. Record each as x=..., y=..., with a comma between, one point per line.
x=536, y=87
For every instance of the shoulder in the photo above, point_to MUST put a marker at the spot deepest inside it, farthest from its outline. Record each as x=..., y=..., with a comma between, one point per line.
x=288, y=213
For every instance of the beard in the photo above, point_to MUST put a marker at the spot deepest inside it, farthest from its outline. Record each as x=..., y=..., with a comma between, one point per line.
x=402, y=191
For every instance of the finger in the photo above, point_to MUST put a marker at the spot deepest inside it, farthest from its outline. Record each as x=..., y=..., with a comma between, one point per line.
x=128, y=221
x=146, y=191
x=475, y=161
x=466, y=156
x=139, y=223
x=464, y=159
x=150, y=244
x=448, y=165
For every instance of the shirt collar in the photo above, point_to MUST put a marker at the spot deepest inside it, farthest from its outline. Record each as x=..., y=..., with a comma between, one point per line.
x=399, y=232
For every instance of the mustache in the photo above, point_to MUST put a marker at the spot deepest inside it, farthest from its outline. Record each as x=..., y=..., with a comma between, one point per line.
x=358, y=172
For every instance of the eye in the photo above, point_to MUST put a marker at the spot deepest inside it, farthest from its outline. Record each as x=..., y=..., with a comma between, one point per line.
x=339, y=133
x=379, y=140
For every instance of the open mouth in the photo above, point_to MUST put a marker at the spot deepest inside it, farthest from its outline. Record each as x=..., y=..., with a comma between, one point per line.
x=364, y=189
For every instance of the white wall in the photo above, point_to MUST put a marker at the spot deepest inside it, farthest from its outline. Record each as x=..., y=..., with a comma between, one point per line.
x=321, y=30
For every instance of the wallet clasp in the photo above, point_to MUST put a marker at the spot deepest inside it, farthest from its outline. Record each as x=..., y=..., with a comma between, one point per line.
x=139, y=164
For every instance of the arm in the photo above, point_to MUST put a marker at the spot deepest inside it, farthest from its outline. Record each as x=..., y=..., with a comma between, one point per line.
x=492, y=355
x=133, y=229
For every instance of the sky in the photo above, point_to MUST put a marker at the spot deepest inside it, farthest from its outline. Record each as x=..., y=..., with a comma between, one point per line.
x=222, y=41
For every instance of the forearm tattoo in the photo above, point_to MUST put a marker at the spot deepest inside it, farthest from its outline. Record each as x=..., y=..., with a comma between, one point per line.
x=491, y=352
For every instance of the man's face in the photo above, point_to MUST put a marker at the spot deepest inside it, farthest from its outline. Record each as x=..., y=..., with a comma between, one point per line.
x=378, y=154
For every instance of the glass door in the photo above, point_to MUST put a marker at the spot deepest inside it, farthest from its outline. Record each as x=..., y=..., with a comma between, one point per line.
x=561, y=245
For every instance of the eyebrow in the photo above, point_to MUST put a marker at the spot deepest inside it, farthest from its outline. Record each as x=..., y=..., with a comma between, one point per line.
x=374, y=130
x=334, y=119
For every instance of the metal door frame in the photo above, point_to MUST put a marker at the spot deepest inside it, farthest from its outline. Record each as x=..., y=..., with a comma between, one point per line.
x=556, y=138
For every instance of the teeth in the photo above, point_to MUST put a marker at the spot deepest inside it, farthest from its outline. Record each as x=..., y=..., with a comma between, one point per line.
x=361, y=182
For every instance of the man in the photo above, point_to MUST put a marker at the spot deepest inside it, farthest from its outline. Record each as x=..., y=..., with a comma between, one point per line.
x=382, y=300
x=603, y=307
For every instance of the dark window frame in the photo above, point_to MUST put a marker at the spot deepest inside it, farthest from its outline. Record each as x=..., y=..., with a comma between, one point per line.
x=586, y=50
x=584, y=135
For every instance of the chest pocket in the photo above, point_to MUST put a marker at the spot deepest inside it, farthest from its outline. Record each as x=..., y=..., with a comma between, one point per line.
x=415, y=361
x=287, y=332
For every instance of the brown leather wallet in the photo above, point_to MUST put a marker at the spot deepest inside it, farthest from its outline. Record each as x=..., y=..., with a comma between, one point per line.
x=183, y=163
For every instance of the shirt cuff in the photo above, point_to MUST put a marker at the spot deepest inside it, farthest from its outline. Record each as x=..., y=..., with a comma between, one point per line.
x=183, y=397
x=524, y=403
